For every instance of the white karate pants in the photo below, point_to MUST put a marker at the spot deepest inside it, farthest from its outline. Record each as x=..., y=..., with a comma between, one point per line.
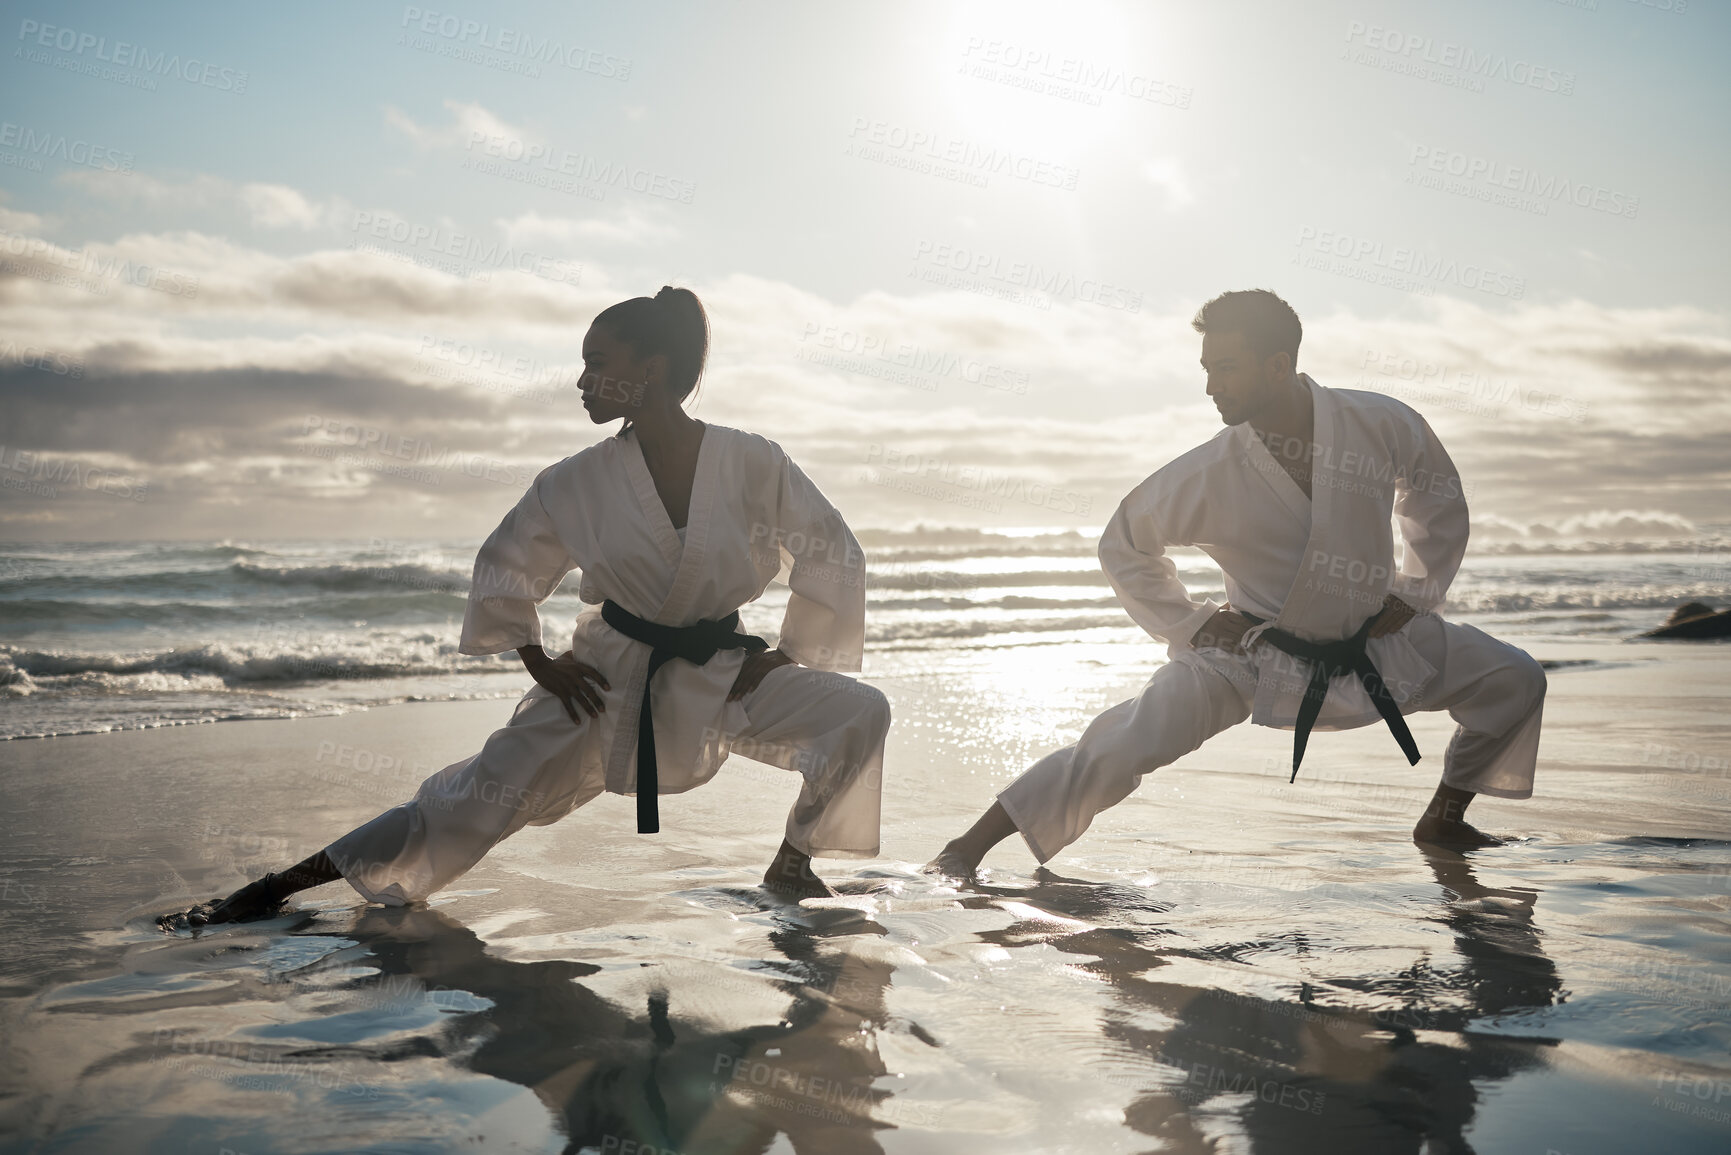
x=539, y=767
x=1494, y=691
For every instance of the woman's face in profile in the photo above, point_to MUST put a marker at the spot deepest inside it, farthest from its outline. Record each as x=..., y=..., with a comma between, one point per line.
x=614, y=378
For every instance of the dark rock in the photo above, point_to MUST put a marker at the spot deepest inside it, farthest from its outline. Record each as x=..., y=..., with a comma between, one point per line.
x=1693, y=621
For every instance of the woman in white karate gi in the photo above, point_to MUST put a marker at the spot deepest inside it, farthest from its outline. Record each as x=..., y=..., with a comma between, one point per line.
x=673, y=524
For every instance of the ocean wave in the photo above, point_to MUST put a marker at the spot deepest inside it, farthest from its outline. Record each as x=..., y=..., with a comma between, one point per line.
x=237, y=665
x=1709, y=552
x=222, y=549
x=242, y=578
x=350, y=576
x=38, y=614
x=935, y=578
x=929, y=629
x=1586, y=601
x=977, y=605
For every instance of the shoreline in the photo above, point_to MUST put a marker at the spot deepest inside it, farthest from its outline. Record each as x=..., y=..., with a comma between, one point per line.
x=1223, y=949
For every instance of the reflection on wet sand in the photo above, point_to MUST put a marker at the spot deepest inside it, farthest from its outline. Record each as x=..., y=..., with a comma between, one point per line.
x=1392, y=1070
x=624, y=1079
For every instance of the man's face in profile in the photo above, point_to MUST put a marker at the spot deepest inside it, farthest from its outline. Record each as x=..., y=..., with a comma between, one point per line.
x=1238, y=380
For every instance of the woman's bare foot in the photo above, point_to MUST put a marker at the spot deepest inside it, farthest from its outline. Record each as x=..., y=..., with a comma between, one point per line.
x=790, y=873
x=257, y=899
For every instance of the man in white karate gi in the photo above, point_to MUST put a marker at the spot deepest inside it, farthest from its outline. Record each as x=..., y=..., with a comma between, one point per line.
x=1295, y=500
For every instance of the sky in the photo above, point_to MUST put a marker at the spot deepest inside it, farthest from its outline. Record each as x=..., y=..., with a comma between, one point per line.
x=324, y=271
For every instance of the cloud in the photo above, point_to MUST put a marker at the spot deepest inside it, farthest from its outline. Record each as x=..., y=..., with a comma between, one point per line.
x=1552, y=412
x=1166, y=173
x=467, y=121
x=19, y=221
x=275, y=206
x=1619, y=524
x=1596, y=530
x=268, y=206
x=632, y=226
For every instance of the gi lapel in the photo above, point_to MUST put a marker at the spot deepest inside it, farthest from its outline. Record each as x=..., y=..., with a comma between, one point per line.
x=1324, y=436
x=686, y=561
x=676, y=609
x=1257, y=456
x=660, y=525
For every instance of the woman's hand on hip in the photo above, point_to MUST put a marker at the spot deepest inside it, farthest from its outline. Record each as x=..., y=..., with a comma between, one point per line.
x=574, y=683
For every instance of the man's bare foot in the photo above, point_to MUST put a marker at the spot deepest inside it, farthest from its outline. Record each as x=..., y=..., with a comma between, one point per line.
x=1444, y=822
x=954, y=862
x=960, y=857
x=257, y=899
x=1436, y=831
x=790, y=873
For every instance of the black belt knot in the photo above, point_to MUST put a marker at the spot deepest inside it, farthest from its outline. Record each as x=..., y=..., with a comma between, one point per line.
x=1333, y=660
x=696, y=643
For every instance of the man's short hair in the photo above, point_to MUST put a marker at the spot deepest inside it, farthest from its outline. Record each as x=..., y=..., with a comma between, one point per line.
x=1269, y=325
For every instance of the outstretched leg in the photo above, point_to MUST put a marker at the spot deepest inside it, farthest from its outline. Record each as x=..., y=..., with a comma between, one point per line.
x=532, y=770
x=960, y=857
x=1186, y=702
x=259, y=898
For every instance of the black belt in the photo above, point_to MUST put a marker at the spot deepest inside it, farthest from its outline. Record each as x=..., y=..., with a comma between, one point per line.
x=1333, y=660
x=696, y=644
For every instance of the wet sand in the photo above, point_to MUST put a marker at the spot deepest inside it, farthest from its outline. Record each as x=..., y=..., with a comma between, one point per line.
x=1225, y=963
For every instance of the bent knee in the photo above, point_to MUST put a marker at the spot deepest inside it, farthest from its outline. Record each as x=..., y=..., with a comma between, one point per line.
x=1521, y=683
x=1533, y=679
x=874, y=708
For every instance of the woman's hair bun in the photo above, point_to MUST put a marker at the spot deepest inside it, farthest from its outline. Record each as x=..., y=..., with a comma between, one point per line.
x=672, y=322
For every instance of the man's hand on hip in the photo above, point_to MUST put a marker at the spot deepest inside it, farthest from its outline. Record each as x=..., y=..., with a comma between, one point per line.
x=1225, y=630
x=1393, y=615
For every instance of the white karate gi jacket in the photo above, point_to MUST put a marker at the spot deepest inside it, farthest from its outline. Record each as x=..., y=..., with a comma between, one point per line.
x=1316, y=567
x=598, y=512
